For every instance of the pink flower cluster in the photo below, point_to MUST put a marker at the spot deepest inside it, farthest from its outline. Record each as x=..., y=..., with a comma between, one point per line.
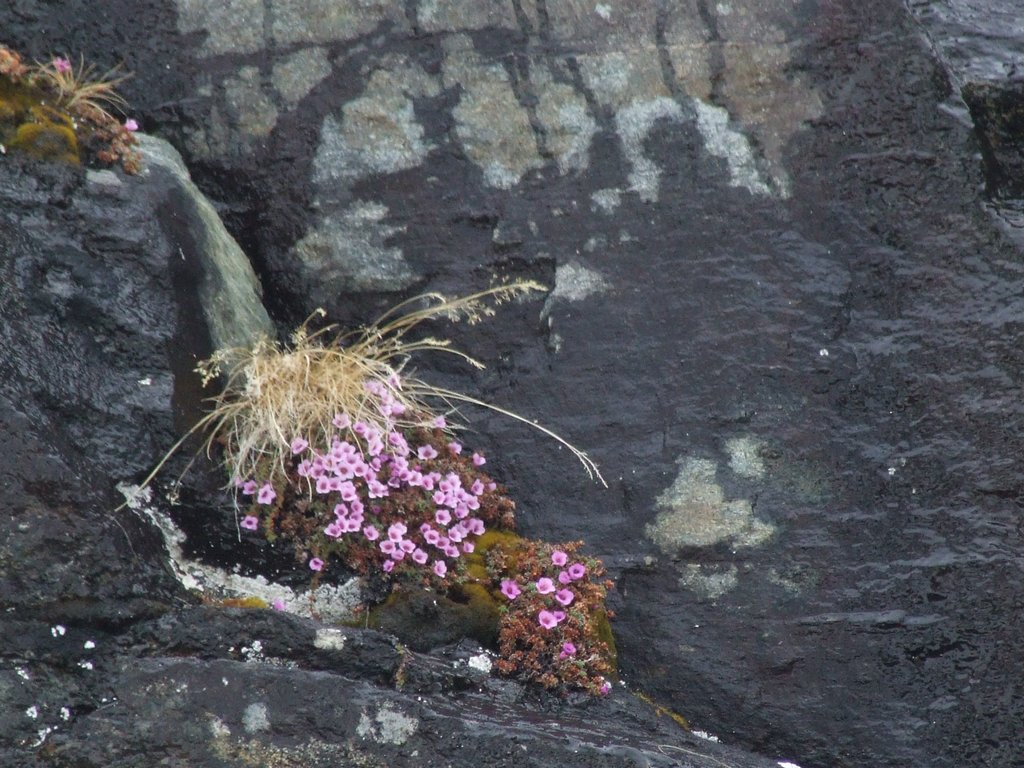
x=365, y=463
x=549, y=619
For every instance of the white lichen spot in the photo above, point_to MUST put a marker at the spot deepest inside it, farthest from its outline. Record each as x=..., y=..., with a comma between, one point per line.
x=332, y=602
x=721, y=140
x=254, y=652
x=378, y=131
x=708, y=585
x=633, y=123
x=89, y=645
x=58, y=630
x=218, y=729
x=32, y=712
x=745, y=457
x=504, y=149
x=86, y=665
x=329, y=639
x=787, y=764
x=41, y=735
x=298, y=74
x=568, y=125
x=255, y=718
x=705, y=735
x=22, y=673
x=351, y=249
x=695, y=513
x=65, y=713
x=607, y=200
x=480, y=662
x=574, y=282
x=604, y=11
x=389, y=726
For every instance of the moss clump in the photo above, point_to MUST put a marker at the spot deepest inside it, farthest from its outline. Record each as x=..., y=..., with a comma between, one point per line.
x=48, y=135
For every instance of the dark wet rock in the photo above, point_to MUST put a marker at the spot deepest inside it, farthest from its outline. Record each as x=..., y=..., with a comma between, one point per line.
x=778, y=306
x=998, y=114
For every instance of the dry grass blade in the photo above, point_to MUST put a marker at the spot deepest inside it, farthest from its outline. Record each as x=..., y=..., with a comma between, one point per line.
x=80, y=89
x=276, y=393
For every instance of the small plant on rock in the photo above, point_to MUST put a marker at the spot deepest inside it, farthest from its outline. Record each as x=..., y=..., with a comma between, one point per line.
x=332, y=447
x=56, y=111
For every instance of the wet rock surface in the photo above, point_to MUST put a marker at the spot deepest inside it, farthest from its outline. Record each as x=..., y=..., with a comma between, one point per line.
x=783, y=320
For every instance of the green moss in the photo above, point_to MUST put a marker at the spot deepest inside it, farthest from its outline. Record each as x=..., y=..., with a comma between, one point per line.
x=30, y=126
x=424, y=620
x=603, y=630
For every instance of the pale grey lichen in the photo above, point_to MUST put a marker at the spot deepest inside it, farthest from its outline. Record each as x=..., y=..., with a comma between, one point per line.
x=693, y=512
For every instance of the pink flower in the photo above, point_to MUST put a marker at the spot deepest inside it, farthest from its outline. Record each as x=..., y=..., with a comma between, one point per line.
x=478, y=487
x=278, y=604
x=341, y=421
x=389, y=565
x=565, y=596
x=478, y=460
x=267, y=494
x=419, y=556
x=440, y=568
x=568, y=649
x=547, y=620
x=577, y=571
x=316, y=564
x=408, y=546
x=396, y=531
x=250, y=523
x=398, y=554
x=559, y=558
x=371, y=533
x=443, y=517
x=387, y=546
x=61, y=64
x=559, y=616
x=439, y=422
x=333, y=530
x=510, y=589
x=130, y=125
x=564, y=578
x=299, y=445
x=605, y=688
x=545, y=586
x=426, y=452
x=468, y=547
x=455, y=447
x=249, y=487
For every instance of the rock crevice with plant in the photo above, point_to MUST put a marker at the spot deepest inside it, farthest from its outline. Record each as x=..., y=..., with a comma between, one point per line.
x=334, y=450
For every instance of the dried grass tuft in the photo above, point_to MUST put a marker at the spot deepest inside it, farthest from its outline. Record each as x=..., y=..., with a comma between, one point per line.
x=80, y=90
x=275, y=393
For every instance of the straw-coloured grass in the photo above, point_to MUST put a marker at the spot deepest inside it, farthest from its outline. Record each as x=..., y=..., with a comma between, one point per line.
x=80, y=89
x=276, y=393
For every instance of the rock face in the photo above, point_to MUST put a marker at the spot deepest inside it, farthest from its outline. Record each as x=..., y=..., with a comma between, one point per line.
x=783, y=320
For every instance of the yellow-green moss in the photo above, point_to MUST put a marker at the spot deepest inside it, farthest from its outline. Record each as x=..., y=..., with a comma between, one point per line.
x=660, y=710
x=30, y=126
